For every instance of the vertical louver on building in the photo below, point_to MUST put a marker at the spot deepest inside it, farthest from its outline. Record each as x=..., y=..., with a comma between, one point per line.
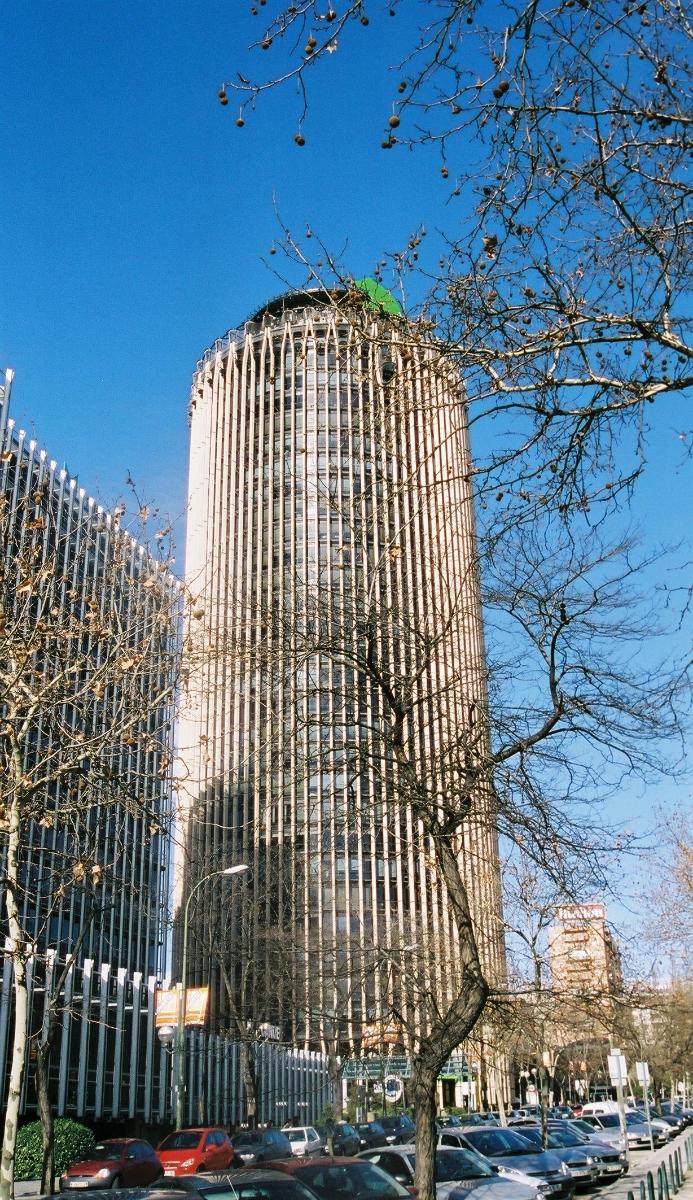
x=88, y=647
x=331, y=551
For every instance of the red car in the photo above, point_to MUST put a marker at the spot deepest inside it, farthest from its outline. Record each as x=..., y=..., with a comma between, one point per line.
x=118, y=1162
x=188, y=1151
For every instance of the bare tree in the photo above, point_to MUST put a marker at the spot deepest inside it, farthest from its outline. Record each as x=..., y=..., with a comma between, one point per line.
x=560, y=273
x=87, y=685
x=524, y=747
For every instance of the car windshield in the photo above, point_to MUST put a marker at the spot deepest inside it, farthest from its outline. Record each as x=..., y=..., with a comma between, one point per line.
x=358, y=1179
x=492, y=1142
x=296, y=1135
x=104, y=1152
x=460, y=1164
x=184, y=1139
x=244, y=1139
x=281, y=1188
x=372, y=1127
x=347, y=1130
x=609, y=1121
x=563, y=1137
x=633, y=1118
x=582, y=1126
x=532, y=1134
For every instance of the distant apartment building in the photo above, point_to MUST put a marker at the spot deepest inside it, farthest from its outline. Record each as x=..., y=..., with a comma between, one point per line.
x=583, y=955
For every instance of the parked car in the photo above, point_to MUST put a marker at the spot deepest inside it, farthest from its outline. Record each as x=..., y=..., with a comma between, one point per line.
x=674, y=1120
x=530, y=1112
x=657, y=1123
x=345, y=1138
x=253, y=1146
x=454, y=1169
x=115, y=1162
x=678, y=1110
x=613, y=1138
x=344, y=1177
x=560, y=1112
x=583, y=1164
x=597, y=1108
x=305, y=1140
x=371, y=1133
x=637, y=1132
x=476, y=1118
x=508, y=1150
x=399, y=1129
x=242, y=1184
x=188, y=1151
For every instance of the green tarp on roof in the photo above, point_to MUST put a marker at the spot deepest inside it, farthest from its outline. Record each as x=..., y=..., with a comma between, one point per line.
x=378, y=296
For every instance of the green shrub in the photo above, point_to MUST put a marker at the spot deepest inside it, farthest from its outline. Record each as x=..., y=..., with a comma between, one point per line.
x=70, y=1141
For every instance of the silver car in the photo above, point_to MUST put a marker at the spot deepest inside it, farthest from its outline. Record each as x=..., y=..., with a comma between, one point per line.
x=457, y=1171
x=513, y=1155
x=578, y=1156
x=637, y=1132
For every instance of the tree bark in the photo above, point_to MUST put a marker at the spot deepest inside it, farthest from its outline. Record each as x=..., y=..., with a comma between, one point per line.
x=453, y=1026
x=544, y=1097
x=45, y=1109
x=249, y=1081
x=423, y=1092
x=21, y=1006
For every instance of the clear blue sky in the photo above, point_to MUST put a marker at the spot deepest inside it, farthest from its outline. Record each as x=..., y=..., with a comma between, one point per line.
x=136, y=218
x=135, y=224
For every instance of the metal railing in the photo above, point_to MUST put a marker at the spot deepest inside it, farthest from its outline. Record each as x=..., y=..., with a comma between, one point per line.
x=669, y=1176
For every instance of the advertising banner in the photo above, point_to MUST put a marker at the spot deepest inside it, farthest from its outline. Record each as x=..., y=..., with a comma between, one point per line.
x=196, y=1002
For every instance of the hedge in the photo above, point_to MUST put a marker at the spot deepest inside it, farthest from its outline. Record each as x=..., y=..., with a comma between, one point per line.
x=70, y=1141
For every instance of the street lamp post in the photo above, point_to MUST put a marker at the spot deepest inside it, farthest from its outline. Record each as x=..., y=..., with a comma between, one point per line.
x=179, y=1049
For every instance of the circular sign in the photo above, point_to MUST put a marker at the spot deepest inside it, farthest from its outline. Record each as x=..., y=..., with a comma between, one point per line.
x=393, y=1088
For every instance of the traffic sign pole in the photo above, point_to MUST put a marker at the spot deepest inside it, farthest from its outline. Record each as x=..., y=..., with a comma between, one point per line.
x=642, y=1070
x=618, y=1074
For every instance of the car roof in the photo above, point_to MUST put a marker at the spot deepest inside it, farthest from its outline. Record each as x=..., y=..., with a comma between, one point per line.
x=291, y=1165
x=214, y=1179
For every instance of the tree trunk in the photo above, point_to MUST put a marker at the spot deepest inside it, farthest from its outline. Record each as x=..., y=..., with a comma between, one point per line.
x=544, y=1095
x=452, y=1027
x=249, y=1082
x=45, y=1112
x=424, y=1082
x=21, y=1007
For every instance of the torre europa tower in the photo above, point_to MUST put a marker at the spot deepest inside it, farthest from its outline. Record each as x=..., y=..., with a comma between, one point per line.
x=336, y=674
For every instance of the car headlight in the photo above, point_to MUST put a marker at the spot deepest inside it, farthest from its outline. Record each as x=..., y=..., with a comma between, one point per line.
x=590, y=1160
x=188, y=1162
x=103, y=1173
x=565, y=1169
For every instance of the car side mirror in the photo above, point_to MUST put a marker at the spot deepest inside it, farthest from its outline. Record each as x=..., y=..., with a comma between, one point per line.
x=495, y=1168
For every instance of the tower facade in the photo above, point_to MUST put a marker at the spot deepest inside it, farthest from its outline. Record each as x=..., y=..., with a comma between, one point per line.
x=337, y=657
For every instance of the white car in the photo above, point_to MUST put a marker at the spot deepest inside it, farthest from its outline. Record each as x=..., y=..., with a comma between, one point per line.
x=305, y=1141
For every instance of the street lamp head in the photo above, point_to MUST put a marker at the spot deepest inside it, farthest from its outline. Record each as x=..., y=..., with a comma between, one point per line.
x=238, y=870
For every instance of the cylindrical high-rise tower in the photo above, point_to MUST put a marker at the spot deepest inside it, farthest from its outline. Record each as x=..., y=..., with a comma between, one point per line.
x=338, y=671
